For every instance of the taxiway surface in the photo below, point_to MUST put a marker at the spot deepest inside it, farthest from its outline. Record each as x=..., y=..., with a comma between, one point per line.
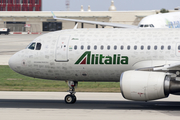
x=89, y=106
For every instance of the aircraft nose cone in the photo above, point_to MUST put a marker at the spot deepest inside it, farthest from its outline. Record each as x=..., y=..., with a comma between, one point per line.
x=13, y=62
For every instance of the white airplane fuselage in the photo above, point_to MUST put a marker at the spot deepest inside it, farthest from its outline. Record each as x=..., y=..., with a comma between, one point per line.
x=101, y=54
x=165, y=20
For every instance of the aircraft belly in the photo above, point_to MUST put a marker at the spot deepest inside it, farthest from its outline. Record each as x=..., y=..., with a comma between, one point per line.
x=96, y=75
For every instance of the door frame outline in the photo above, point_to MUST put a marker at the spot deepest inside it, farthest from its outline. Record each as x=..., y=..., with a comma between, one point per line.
x=66, y=51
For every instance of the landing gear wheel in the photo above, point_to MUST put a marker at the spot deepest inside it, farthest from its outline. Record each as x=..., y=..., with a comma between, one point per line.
x=74, y=99
x=70, y=99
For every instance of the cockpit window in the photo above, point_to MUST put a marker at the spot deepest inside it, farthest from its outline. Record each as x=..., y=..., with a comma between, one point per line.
x=38, y=46
x=151, y=25
x=146, y=25
x=141, y=25
x=32, y=46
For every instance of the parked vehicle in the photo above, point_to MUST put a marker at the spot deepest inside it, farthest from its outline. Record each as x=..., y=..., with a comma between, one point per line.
x=4, y=31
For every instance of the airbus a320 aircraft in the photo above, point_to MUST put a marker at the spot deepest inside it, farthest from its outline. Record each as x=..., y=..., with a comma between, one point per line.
x=165, y=20
x=145, y=61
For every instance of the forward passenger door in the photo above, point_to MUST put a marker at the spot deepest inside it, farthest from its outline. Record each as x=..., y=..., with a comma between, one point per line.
x=61, y=52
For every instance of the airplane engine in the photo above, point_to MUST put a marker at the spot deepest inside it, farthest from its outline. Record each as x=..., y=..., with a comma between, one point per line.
x=145, y=86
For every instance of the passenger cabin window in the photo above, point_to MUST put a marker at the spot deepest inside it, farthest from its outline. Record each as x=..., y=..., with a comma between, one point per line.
x=88, y=47
x=115, y=47
x=32, y=46
x=162, y=47
x=179, y=47
x=155, y=47
x=38, y=46
x=102, y=47
x=95, y=47
x=135, y=47
x=169, y=47
x=108, y=47
x=75, y=47
x=122, y=47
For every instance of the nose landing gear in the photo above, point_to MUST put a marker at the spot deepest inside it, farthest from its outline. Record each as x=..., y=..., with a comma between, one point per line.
x=71, y=98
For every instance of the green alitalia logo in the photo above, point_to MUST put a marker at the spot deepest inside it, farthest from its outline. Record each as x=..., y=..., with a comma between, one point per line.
x=88, y=58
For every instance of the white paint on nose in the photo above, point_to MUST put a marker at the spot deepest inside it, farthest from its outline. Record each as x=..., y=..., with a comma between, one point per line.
x=14, y=61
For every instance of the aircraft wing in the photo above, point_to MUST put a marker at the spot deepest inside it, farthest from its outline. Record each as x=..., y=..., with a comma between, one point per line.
x=159, y=65
x=172, y=66
x=115, y=25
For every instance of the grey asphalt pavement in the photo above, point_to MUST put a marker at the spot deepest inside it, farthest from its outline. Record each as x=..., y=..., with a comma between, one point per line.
x=96, y=106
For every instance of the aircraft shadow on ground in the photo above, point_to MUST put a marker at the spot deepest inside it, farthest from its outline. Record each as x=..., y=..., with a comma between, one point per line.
x=90, y=104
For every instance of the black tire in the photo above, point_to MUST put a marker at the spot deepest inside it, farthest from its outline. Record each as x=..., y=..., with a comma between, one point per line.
x=69, y=99
x=74, y=99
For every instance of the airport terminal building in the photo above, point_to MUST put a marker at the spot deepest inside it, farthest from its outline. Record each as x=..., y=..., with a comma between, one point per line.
x=28, y=18
x=39, y=21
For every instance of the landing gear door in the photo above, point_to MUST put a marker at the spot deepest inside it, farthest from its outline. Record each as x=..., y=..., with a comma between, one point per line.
x=61, y=52
x=178, y=49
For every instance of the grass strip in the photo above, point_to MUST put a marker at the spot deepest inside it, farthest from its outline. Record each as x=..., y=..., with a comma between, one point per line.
x=12, y=81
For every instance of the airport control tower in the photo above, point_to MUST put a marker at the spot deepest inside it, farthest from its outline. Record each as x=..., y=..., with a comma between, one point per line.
x=20, y=5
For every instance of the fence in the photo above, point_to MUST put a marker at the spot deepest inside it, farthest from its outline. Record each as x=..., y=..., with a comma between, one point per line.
x=34, y=28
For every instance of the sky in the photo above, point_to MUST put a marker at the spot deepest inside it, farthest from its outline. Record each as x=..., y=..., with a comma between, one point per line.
x=103, y=5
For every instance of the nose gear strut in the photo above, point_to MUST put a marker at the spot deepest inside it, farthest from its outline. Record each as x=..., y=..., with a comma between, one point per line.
x=71, y=98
